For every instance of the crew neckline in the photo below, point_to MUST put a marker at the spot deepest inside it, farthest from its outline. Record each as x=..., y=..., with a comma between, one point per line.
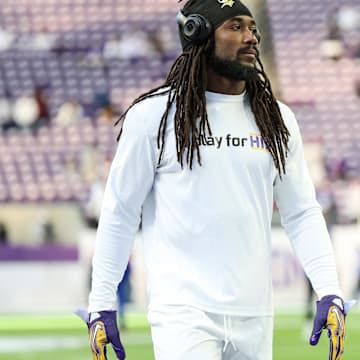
x=215, y=97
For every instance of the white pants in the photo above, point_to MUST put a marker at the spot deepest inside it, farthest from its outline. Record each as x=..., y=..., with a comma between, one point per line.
x=183, y=332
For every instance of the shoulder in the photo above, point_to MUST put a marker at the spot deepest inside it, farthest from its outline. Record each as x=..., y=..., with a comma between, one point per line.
x=152, y=105
x=143, y=119
x=286, y=112
x=288, y=117
x=149, y=111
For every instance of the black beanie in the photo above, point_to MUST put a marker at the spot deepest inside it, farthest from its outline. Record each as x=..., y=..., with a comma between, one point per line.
x=215, y=11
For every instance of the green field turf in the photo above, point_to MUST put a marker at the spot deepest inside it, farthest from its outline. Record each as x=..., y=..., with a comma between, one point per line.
x=65, y=337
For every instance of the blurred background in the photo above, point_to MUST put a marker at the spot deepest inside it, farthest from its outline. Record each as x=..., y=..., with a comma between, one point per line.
x=68, y=68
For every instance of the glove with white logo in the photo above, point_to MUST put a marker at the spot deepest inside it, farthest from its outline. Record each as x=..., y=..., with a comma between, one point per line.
x=330, y=314
x=103, y=330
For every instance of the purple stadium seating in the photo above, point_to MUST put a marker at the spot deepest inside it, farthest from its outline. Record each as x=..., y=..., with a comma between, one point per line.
x=33, y=167
x=320, y=91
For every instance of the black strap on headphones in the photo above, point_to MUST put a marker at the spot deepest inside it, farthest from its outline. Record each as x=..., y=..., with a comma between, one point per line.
x=195, y=27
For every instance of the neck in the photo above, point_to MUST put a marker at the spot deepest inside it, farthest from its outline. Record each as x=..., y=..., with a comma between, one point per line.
x=219, y=84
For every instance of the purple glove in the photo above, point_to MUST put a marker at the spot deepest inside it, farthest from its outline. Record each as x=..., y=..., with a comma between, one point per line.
x=330, y=315
x=103, y=330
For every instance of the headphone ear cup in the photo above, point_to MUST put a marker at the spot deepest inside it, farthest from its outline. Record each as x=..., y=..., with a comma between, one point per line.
x=196, y=28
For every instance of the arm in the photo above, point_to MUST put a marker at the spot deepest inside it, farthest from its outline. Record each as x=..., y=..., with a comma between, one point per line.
x=130, y=179
x=302, y=217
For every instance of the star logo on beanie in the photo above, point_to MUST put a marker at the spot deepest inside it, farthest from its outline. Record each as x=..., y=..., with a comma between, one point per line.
x=224, y=3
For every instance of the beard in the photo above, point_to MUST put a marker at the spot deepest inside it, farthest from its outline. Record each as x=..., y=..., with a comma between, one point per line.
x=232, y=69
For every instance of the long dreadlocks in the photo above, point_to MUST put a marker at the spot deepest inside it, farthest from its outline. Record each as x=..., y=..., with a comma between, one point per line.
x=186, y=84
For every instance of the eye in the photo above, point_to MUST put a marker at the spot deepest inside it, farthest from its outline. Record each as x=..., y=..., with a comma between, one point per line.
x=236, y=27
x=254, y=31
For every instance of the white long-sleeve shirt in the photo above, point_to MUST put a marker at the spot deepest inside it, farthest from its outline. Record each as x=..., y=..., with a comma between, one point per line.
x=207, y=231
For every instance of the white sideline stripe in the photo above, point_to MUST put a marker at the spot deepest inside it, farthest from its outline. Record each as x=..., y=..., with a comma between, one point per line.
x=350, y=325
x=30, y=344
x=19, y=344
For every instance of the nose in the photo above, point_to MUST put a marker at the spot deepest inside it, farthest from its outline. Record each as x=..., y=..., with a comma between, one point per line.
x=250, y=37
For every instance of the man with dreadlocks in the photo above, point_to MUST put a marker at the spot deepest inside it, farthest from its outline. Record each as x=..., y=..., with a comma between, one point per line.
x=200, y=160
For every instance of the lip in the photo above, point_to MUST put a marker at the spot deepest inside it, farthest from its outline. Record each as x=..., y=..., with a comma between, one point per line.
x=249, y=54
x=247, y=57
x=249, y=50
x=252, y=52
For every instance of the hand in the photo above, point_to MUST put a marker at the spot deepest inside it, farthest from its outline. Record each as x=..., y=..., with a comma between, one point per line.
x=103, y=330
x=330, y=314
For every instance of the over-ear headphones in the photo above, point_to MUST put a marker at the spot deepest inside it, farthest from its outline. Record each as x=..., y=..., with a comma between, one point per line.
x=195, y=27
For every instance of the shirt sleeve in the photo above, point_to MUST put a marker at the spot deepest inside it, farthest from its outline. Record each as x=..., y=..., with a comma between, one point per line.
x=302, y=218
x=129, y=181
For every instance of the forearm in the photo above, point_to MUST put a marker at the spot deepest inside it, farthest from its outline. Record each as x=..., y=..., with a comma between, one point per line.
x=323, y=275
x=113, y=246
x=118, y=224
x=312, y=245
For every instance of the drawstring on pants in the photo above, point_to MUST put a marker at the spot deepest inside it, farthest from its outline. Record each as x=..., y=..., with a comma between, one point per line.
x=228, y=331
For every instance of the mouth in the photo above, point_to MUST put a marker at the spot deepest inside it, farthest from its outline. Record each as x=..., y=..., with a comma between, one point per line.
x=249, y=53
x=248, y=56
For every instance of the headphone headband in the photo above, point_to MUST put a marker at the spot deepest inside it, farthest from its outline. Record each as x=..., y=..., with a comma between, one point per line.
x=206, y=16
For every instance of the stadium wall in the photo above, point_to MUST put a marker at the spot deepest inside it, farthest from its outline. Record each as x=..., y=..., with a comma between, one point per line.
x=23, y=222
x=61, y=287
